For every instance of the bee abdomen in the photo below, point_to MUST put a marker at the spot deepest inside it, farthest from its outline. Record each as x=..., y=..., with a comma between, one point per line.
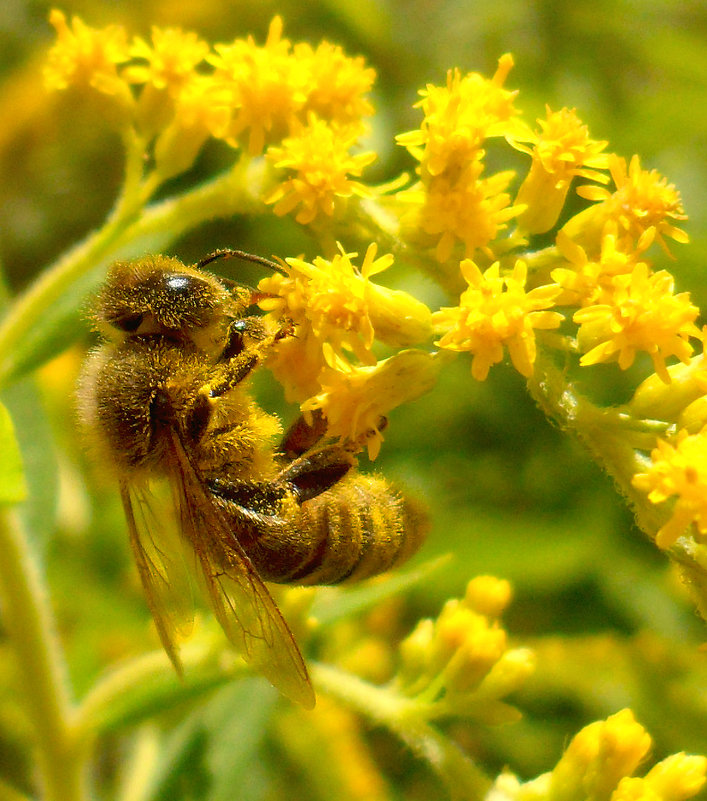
x=359, y=528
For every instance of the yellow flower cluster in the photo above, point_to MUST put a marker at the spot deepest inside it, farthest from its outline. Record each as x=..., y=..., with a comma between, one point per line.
x=308, y=103
x=452, y=202
x=461, y=661
x=329, y=364
x=599, y=763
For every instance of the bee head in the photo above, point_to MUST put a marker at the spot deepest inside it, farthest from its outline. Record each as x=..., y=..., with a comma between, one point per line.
x=160, y=295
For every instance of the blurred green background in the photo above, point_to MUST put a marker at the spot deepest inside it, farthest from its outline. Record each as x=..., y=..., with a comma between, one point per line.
x=509, y=494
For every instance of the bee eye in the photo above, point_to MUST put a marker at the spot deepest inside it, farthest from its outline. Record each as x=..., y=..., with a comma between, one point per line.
x=235, y=345
x=129, y=323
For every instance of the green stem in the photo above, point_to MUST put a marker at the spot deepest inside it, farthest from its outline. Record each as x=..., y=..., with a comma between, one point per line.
x=227, y=194
x=29, y=623
x=406, y=718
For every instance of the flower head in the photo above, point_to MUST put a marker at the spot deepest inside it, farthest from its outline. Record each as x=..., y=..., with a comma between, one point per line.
x=678, y=469
x=356, y=400
x=458, y=117
x=319, y=164
x=170, y=59
x=267, y=87
x=496, y=311
x=643, y=202
x=588, y=281
x=87, y=57
x=337, y=86
x=337, y=312
x=562, y=151
x=643, y=314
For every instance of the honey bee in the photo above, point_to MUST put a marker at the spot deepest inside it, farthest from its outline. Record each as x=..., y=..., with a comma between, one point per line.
x=164, y=401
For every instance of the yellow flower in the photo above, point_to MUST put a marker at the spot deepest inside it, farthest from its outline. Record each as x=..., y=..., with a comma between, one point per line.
x=199, y=109
x=356, y=400
x=494, y=312
x=562, y=151
x=643, y=202
x=587, y=281
x=598, y=757
x=458, y=117
x=337, y=311
x=171, y=58
x=599, y=764
x=337, y=84
x=643, y=315
x=319, y=157
x=468, y=209
x=267, y=85
x=464, y=651
x=678, y=470
x=87, y=57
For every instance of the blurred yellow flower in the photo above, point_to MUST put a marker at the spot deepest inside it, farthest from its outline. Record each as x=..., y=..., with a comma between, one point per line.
x=337, y=86
x=266, y=84
x=170, y=59
x=87, y=57
x=496, y=311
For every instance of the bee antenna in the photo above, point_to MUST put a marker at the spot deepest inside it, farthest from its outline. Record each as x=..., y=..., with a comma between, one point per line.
x=227, y=253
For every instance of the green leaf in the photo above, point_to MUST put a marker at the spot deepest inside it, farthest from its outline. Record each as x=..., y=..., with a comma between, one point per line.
x=13, y=488
x=36, y=442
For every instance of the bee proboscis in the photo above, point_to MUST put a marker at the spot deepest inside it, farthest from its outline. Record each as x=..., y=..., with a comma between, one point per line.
x=164, y=400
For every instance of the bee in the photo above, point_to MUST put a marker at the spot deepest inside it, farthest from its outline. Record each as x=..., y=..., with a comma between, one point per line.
x=165, y=403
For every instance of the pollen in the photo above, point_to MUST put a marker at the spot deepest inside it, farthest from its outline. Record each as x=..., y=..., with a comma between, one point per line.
x=494, y=312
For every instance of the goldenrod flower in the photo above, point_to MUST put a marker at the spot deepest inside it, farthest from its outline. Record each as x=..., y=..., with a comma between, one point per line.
x=468, y=209
x=643, y=315
x=170, y=60
x=319, y=158
x=87, y=57
x=338, y=312
x=496, y=311
x=589, y=281
x=356, y=400
x=560, y=152
x=678, y=470
x=643, y=202
x=600, y=762
x=268, y=87
x=464, y=652
x=458, y=117
x=337, y=84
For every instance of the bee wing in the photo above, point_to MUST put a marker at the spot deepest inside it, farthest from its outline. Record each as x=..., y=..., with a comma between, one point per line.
x=242, y=603
x=161, y=563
